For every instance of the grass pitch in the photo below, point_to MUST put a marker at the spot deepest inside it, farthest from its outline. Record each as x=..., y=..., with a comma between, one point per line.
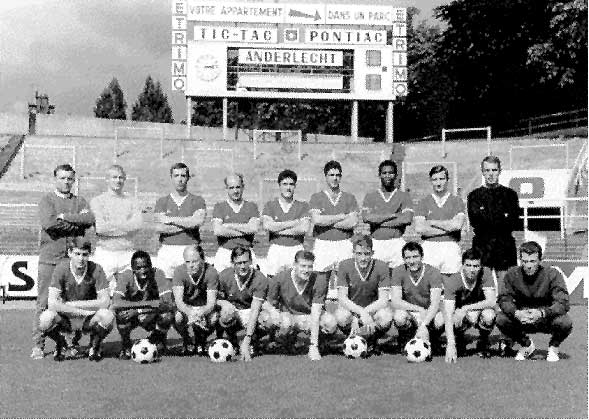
x=288, y=386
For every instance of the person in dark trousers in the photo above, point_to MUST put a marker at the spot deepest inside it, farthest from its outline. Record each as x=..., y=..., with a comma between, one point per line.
x=62, y=215
x=493, y=212
x=534, y=298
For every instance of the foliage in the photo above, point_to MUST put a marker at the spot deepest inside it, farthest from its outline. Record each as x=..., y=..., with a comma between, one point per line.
x=152, y=104
x=111, y=102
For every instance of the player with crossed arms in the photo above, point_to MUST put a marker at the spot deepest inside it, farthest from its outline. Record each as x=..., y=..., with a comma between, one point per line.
x=235, y=222
x=143, y=297
x=178, y=217
x=195, y=286
x=78, y=300
x=287, y=221
x=242, y=291
x=439, y=220
x=363, y=294
x=295, y=303
x=334, y=214
x=388, y=211
x=118, y=218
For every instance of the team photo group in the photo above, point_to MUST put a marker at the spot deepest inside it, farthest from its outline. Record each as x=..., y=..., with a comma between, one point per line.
x=346, y=295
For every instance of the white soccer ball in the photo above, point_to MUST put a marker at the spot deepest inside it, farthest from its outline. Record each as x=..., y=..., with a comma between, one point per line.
x=221, y=350
x=144, y=351
x=355, y=347
x=418, y=350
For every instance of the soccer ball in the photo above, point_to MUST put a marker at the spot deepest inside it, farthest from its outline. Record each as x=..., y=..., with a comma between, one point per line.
x=144, y=351
x=221, y=350
x=355, y=347
x=418, y=350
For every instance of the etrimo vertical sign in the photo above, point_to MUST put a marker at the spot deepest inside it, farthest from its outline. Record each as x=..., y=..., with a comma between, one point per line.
x=289, y=50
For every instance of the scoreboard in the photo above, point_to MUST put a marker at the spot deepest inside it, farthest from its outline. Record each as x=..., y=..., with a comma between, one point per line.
x=289, y=50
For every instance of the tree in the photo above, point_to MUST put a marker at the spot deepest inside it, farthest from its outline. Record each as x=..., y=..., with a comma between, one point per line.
x=111, y=103
x=152, y=104
x=561, y=57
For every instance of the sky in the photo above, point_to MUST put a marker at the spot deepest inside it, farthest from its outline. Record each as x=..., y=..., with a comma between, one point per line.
x=71, y=49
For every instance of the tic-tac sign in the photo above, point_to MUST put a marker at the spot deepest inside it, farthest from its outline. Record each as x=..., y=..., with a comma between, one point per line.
x=289, y=50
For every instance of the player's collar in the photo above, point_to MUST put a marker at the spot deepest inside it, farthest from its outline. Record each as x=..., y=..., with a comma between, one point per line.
x=359, y=271
x=141, y=289
x=242, y=285
x=382, y=194
x=337, y=197
x=285, y=205
x=465, y=282
x=440, y=201
x=178, y=199
x=235, y=207
x=62, y=195
x=203, y=269
x=78, y=278
x=416, y=282
x=295, y=283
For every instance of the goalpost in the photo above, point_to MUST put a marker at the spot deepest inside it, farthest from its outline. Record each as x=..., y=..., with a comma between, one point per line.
x=290, y=140
x=462, y=130
x=158, y=134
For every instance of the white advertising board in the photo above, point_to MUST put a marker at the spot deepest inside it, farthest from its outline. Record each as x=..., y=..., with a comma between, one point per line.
x=236, y=34
x=300, y=57
x=297, y=13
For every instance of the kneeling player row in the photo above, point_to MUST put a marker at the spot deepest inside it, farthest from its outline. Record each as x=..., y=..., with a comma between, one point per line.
x=370, y=299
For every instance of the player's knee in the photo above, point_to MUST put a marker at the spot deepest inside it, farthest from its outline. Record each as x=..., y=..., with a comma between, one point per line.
x=487, y=319
x=562, y=323
x=401, y=318
x=180, y=319
x=164, y=320
x=343, y=317
x=265, y=321
x=47, y=320
x=105, y=318
x=327, y=323
x=227, y=317
x=383, y=318
x=472, y=317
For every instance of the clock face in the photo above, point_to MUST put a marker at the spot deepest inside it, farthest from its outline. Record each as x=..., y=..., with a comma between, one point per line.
x=207, y=67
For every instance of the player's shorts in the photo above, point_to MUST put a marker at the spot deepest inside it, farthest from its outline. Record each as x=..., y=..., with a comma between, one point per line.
x=145, y=318
x=446, y=256
x=279, y=256
x=169, y=257
x=415, y=319
x=112, y=262
x=389, y=250
x=222, y=259
x=329, y=253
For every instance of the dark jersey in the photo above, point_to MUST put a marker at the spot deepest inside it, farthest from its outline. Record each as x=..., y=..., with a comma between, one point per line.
x=157, y=287
x=63, y=280
x=458, y=289
x=195, y=288
x=363, y=287
x=417, y=291
x=287, y=296
x=239, y=293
